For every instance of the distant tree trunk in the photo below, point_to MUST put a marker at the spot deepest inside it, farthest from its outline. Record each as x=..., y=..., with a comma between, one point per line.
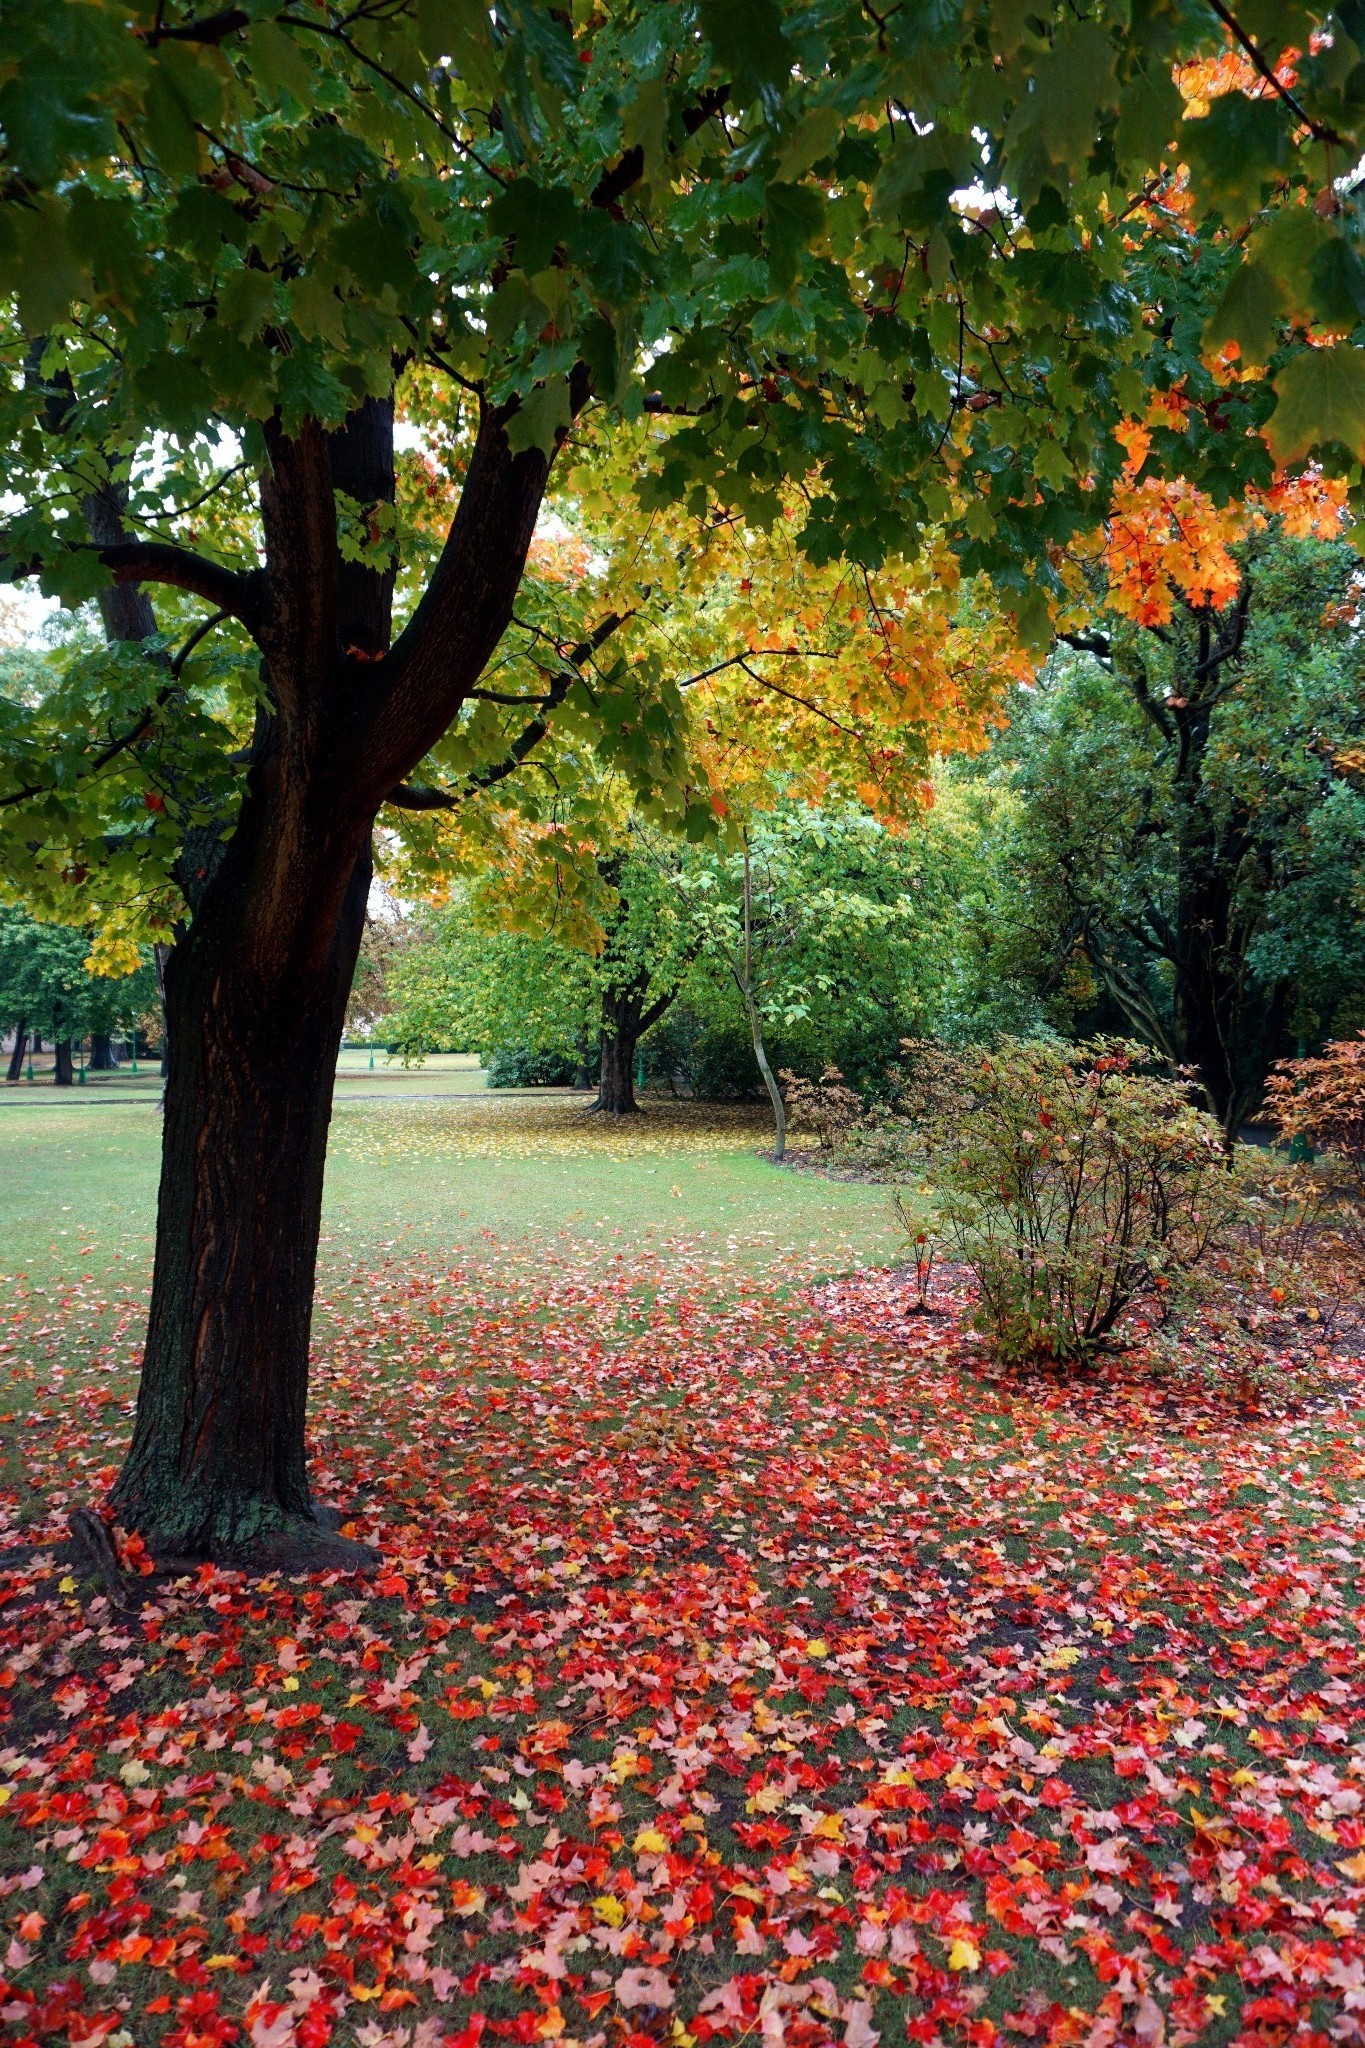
x=625, y=1020
x=64, y=1074
x=620, y=1036
x=102, y=1059
x=744, y=975
x=16, y=1058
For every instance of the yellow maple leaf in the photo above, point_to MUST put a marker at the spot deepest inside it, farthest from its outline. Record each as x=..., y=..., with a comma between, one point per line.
x=964, y=1955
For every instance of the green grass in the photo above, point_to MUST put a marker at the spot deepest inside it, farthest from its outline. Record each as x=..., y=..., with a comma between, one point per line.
x=423, y=1162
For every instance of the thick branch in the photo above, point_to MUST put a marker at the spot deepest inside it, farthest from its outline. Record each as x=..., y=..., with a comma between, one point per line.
x=629, y=167
x=236, y=592
x=211, y=28
x=1098, y=644
x=419, y=687
x=407, y=796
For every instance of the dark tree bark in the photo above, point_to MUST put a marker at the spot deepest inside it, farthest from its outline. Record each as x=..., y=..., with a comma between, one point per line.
x=1219, y=1023
x=256, y=986
x=620, y=1036
x=217, y=1461
x=63, y=1075
x=16, y=1058
x=626, y=1017
x=102, y=1059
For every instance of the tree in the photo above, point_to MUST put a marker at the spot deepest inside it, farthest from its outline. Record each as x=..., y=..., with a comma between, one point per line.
x=238, y=243
x=478, y=981
x=827, y=924
x=1192, y=822
x=46, y=987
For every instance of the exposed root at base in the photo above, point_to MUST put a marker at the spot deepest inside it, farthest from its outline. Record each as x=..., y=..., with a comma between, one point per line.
x=305, y=1547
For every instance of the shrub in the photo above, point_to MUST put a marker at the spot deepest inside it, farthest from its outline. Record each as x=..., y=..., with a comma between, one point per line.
x=1322, y=1102
x=528, y=1066
x=829, y=1107
x=1071, y=1182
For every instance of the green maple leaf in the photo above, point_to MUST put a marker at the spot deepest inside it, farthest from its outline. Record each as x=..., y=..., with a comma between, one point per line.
x=1249, y=313
x=795, y=215
x=1321, y=398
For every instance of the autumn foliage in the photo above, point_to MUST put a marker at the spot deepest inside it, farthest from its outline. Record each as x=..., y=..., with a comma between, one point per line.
x=1167, y=542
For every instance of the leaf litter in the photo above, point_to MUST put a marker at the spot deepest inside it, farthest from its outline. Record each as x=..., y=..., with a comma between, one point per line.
x=750, y=1663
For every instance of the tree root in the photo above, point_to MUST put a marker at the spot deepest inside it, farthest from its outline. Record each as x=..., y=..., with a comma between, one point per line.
x=95, y=1548
x=305, y=1547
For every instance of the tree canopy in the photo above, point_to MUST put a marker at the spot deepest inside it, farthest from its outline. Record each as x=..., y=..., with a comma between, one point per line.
x=864, y=276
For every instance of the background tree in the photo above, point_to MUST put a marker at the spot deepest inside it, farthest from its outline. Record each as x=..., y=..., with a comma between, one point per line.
x=47, y=988
x=477, y=982
x=1191, y=824
x=236, y=244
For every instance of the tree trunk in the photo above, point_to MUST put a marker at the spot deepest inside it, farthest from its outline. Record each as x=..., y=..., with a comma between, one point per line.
x=102, y=1059
x=63, y=1074
x=257, y=985
x=16, y=1058
x=620, y=1036
x=217, y=1463
x=744, y=975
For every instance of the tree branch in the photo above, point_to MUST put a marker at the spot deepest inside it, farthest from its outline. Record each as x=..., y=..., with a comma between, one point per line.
x=211, y=28
x=629, y=167
x=1098, y=644
x=235, y=592
x=406, y=796
x=1267, y=71
x=417, y=690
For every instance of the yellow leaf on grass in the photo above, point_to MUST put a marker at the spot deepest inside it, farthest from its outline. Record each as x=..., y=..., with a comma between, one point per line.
x=609, y=1909
x=651, y=1841
x=829, y=1828
x=964, y=1955
x=66, y=1585
x=1353, y=1867
x=291, y=1685
x=818, y=1648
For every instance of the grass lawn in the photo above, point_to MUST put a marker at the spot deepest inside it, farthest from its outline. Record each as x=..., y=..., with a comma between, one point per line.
x=751, y=1660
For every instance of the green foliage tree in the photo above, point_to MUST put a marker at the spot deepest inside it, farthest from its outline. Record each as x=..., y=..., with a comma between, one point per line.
x=828, y=927
x=1191, y=821
x=47, y=987
x=890, y=256
x=476, y=981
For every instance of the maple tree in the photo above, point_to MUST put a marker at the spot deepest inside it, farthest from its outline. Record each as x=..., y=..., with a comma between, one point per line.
x=889, y=259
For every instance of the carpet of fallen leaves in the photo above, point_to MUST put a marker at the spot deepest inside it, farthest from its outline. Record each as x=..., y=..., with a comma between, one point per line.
x=749, y=1663
x=544, y=1123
